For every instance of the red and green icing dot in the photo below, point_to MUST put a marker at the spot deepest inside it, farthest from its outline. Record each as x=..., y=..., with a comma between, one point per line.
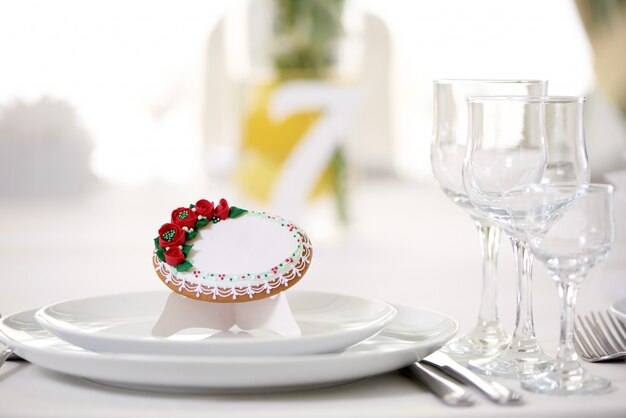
x=183, y=214
x=169, y=235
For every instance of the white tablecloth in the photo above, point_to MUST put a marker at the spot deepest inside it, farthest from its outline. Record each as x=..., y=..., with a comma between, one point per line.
x=407, y=244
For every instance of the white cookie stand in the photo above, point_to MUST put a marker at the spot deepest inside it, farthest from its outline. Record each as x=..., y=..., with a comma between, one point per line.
x=271, y=314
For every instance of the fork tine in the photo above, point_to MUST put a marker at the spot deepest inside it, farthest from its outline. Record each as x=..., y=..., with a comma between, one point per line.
x=584, y=338
x=587, y=338
x=609, y=332
x=593, y=339
x=581, y=347
x=603, y=334
x=620, y=328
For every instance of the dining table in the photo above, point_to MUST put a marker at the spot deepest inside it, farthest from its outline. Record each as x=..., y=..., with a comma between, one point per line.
x=404, y=242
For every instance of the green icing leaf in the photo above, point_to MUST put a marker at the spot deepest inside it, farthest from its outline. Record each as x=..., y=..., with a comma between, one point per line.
x=156, y=243
x=236, y=212
x=186, y=249
x=191, y=235
x=192, y=206
x=161, y=254
x=202, y=222
x=184, y=266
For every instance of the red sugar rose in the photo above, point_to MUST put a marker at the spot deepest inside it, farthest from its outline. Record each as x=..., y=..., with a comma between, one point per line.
x=184, y=217
x=171, y=235
x=222, y=210
x=204, y=208
x=174, y=256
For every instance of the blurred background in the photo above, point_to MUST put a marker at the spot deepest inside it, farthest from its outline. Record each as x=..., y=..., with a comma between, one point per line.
x=114, y=112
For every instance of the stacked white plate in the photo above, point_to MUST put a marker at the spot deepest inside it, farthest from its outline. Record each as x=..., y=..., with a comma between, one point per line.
x=108, y=339
x=619, y=310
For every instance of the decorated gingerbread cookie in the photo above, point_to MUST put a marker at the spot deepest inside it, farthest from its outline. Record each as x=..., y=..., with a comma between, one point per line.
x=222, y=253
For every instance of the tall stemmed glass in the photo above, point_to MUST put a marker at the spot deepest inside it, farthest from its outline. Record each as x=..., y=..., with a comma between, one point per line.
x=514, y=143
x=487, y=338
x=569, y=245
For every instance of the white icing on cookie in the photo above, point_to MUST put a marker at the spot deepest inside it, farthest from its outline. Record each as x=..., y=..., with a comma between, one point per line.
x=252, y=254
x=248, y=244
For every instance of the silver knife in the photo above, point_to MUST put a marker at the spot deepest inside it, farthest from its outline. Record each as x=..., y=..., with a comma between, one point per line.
x=494, y=391
x=450, y=392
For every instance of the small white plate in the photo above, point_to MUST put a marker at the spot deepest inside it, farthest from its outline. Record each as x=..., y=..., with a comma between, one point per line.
x=619, y=309
x=123, y=324
x=422, y=333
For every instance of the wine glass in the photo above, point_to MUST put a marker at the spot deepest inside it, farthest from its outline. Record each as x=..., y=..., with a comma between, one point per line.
x=569, y=244
x=515, y=142
x=487, y=338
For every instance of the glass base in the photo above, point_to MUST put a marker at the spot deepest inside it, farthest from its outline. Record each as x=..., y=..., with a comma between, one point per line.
x=513, y=364
x=480, y=342
x=556, y=383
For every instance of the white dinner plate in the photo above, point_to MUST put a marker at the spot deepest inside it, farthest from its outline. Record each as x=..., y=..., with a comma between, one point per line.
x=412, y=335
x=619, y=309
x=123, y=324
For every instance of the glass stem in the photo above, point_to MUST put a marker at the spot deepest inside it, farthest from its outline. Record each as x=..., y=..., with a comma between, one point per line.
x=566, y=358
x=489, y=236
x=524, y=338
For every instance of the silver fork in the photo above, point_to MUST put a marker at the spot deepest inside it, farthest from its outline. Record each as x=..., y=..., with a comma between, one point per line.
x=600, y=337
x=6, y=353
